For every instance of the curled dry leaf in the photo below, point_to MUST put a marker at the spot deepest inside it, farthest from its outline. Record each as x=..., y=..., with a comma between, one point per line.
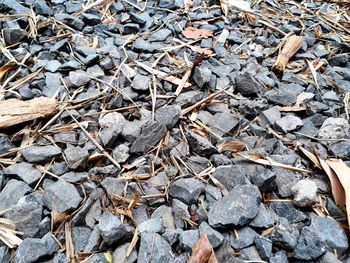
x=337, y=188
x=342, y=171
x=196, y=33
x=202, y=251
x=5, y=68
x=233, y=146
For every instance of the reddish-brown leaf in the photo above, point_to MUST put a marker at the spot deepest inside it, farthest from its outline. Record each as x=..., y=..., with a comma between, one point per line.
x=233, y=146
x=202, y=251
x=196, y=33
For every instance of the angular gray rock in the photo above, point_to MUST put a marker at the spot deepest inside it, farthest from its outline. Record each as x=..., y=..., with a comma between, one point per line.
x=154, y=225
x=264, y=246
x=25, y=171
x=305, y=193
x=330, y=232
x=112, y=125
x=119, y=254
x=186, y=189
x=61, y=196
x=112, y=229
x=32, y=249
x=154, y=247
x=78, y=78
x=230, y=176
x=309, y=246
x=238, y=208
x=285, y=235
x=200, y=145
x=188, y=238
x=168, y=116
x=40, y=154
x=76, y=156
x=288, y=123
x=151, y=133
x=246, y=85
x=245, y=237
x=215, y=237
x=12, y=192
x=334, y=128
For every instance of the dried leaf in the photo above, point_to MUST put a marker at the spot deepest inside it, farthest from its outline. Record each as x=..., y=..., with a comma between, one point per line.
x=338, y=191
x=224, y=7
x=343, y=173
x=5, y=68
x=196, y=33
x=311, y=156
x=202, y=251
x=233, y=146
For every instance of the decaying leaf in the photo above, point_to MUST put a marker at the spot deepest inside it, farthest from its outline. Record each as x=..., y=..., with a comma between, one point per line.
x=342, y=171
x=311, y=156
x=196, y=33
x=14, y=111
x=202, y=251
x=337, y=188
x=5, y=68
x=233, y=146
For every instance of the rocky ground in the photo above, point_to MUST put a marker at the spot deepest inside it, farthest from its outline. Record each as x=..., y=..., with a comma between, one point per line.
x=172, y=124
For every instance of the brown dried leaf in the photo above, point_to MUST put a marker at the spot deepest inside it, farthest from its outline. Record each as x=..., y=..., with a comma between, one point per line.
x=343, y=173
x=5, y=68
x=196, y=33
x=233, y=146
x=338, y=191
x=202, y=251
x=311, y=156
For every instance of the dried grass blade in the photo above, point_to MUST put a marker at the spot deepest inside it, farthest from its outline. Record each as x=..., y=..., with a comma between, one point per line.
x=133, y=243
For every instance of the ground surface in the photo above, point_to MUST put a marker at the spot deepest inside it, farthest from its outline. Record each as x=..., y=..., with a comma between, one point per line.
x=169, y=123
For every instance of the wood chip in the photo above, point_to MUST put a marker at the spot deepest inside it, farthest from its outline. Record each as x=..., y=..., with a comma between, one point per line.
x=14, y=111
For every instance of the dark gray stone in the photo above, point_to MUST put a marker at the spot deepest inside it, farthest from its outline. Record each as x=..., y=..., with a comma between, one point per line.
x=32, y=249
x=245, y=237
x=154, y=247
x=285, y=95
x=13, y=35
x=15, y=6
x=270, y=115
x=61, y=196
x=285, y=235
x=264, y=246
x=330, y=232
x=141, y=82
x=25, y=171
x=215, y=237
x=154, y=225
x=40, y=154
x=289, y=123
x=188, y=238
x=238, y=208
x=160, y=35
x=166, y=213
x=70, y=20
x=168, y=115
x=180, y=211
x=246, y=84
x=27, y=216
x=119, y=254
x=341, y=149
x=230, y=176
x=201, y=76
x=288, y=211
x=112, y=125
x=78, y=78
x=5, y=143
x=80, y=236
x=76, y=156
x=309, y=246
x=4, y=254
x=280, y=257
x=112, y=229
x=250, y=253
x=186, y=189
x=264, y=219
x=199, y=144
x=339, y=60
x=151, y=133
x=12, y=192
x=265, y=180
